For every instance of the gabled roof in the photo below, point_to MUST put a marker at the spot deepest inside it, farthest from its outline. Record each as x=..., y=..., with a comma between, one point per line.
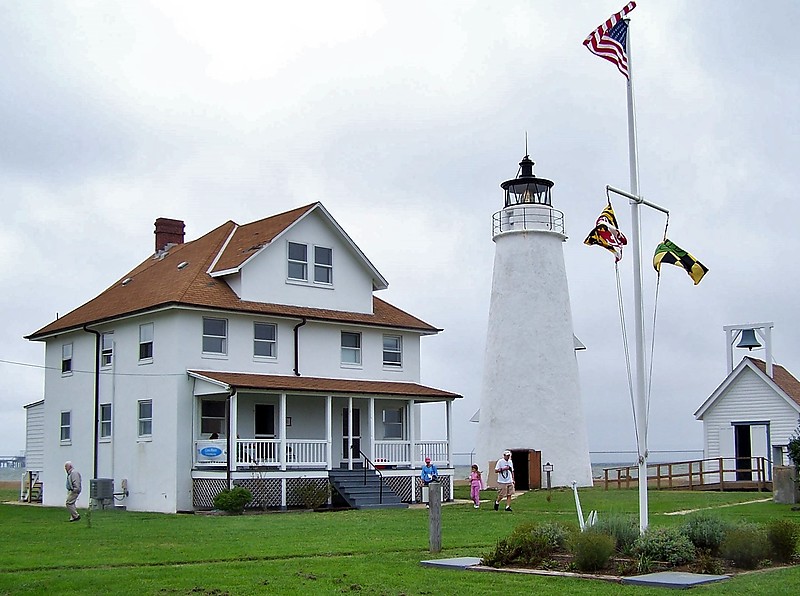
x=783, y=383
x=250, y=239
x=180, y=277
x=228, y=381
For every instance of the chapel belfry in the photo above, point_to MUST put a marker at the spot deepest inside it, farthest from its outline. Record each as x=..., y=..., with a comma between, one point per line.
x=530, y=398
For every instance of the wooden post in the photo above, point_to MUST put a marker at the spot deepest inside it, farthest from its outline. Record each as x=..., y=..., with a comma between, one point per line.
x=435, y=516
x=721, y=474
x=605, y=478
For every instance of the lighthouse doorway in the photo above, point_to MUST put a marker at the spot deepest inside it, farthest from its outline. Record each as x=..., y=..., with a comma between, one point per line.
x=527, y=468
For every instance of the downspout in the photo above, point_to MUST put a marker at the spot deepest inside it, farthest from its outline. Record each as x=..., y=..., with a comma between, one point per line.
x=297, y=346
x=96, y=392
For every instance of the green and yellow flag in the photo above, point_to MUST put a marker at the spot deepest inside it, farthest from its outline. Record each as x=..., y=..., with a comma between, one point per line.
x=672, y=254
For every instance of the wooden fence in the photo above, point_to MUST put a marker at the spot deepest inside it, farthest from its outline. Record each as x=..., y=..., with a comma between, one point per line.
x=719, y=473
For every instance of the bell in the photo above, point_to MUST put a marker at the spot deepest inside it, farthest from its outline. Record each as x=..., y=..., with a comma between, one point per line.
x=748, y=340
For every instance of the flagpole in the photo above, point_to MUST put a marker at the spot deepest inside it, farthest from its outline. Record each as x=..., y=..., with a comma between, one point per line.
x=640, y=408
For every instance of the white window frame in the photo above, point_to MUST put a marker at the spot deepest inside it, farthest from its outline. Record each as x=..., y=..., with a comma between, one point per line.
x=325, y=268
x=223, y=339
x=398, y=425
x=272, y=343
x=213, y=424
x=297, y=262
x=144, y=424
x=107, y=349
x=65, y=427
x=66, y=359
x=393, y=364
x=355, y=351
x=144, y=341
x=105, y=421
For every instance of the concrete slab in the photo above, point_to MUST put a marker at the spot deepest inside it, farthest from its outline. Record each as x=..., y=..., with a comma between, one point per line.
x=454, y=563
x=673, y=579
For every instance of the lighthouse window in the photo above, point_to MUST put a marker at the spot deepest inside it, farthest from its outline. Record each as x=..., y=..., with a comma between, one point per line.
x=351, y=348
x=298, y=261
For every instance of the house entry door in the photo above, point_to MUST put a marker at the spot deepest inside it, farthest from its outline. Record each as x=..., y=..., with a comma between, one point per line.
x=348, y=433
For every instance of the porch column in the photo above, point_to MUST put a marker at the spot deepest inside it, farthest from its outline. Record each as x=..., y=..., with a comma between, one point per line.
x=329, y=428
x=232, y=430
x=412, y=435
x=371, y=422
x=349, y=433
x=449, y=410
x=282, y=431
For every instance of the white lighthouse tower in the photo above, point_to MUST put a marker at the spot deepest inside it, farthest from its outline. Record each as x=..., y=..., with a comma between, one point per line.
x=530, y=400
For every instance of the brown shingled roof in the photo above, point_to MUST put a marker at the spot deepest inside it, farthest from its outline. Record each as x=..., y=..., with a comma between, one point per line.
x=782, y=377
x=252, y=237
x=316, y=384
x=159, y=282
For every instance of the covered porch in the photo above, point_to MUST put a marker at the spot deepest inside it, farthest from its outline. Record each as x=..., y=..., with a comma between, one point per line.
x=280, y=428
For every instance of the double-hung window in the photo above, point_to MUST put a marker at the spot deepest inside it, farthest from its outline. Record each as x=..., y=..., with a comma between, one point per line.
x=145, y=418
x=212, y=417
x=66, y=426
x=66, y=359
x=265, y=339
x=107, y=349
x=393, y=423
x=215, y=336
x=393, y=351
x=298, y=261
x=146, y=342
x=323, y=265
x=351, y=348
x=105, y=421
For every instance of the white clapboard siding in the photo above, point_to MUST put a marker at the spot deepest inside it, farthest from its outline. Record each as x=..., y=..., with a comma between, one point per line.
x=34, y=437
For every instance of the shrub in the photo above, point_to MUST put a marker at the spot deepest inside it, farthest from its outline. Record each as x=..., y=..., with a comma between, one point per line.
x=705, y=530
x=665, y=544
x=528, y=544
x=783, y=535
x=592, y=550
x=233, y=500
x=794, y=448
x=623, y=528
x=706, y=562
x=314, y=494
x=745, y=545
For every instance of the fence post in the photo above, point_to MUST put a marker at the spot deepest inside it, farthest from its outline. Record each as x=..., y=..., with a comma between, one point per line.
x=435, y=516
x=721, y=474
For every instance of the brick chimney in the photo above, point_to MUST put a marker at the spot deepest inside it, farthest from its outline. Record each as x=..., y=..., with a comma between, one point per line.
x=168, y=231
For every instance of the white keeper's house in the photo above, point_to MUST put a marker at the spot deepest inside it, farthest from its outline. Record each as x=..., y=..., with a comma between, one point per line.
x=256, y=355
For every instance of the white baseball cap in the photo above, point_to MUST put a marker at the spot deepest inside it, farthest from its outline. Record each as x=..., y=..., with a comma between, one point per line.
x=506, y=452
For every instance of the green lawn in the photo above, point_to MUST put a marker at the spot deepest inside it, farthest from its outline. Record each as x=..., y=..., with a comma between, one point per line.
x=367, y=552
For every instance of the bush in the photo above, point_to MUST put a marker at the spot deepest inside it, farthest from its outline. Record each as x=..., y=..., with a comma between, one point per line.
x=623, y=528
x=528, y=544
x=783, y=535
x=745, y=546
x=233, y=500
x=794, y=448
x=314, y=494
x=706, y=531
x=665, y=544
x=592, y=550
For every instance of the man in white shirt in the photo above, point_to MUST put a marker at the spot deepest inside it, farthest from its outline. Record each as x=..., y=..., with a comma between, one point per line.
x=505, y=479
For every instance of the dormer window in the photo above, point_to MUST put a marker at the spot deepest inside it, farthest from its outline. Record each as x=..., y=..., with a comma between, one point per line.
x=323, y=265
x=298, y=261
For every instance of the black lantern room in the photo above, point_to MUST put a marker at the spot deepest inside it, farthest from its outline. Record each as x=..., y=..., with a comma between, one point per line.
x=527, y=188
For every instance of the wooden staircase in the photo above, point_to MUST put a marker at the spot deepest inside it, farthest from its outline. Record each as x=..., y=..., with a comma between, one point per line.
x=364, y=489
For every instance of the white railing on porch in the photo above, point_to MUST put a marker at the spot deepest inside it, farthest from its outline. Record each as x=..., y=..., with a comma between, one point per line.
x=436, y=450
x=307, y=453
x=257, y=452
x=392, y=453
x=266, y=452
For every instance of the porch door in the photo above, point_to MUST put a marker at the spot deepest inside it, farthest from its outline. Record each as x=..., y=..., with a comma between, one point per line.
x=347, y=433
x=265, y=421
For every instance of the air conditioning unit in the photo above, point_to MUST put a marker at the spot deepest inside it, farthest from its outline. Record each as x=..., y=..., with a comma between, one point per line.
x=101, y=488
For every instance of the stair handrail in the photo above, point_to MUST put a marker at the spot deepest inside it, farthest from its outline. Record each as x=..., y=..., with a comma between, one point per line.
x=368, y=461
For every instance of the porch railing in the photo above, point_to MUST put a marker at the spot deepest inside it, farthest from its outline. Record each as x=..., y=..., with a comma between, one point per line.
x=436, y=450
x=392, y=453
x=266, y=452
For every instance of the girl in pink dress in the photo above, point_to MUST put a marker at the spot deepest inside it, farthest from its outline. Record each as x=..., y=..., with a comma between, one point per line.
x=475, y=485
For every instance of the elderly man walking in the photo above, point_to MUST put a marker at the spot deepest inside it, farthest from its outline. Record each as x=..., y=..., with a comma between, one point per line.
x=73, y=490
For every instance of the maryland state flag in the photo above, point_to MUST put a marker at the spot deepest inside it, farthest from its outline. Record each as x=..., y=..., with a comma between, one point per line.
x=670, y=253
x=606, y=234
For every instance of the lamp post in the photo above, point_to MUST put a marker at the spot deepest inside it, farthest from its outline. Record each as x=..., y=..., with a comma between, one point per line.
x=547, y=468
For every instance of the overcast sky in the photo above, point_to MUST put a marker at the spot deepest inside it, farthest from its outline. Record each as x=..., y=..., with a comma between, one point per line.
x=403, y=118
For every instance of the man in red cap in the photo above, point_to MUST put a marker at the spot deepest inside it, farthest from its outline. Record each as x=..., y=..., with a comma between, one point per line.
x=429, y=472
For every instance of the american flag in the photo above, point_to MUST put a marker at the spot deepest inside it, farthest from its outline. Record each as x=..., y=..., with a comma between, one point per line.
x=610, y=39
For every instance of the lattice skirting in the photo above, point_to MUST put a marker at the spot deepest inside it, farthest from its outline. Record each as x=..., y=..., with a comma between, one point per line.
x=205, y=489
x=447, y=489
x=266, y=491
x=402, y=487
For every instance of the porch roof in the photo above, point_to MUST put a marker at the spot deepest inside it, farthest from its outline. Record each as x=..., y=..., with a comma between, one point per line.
x=230, y=380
